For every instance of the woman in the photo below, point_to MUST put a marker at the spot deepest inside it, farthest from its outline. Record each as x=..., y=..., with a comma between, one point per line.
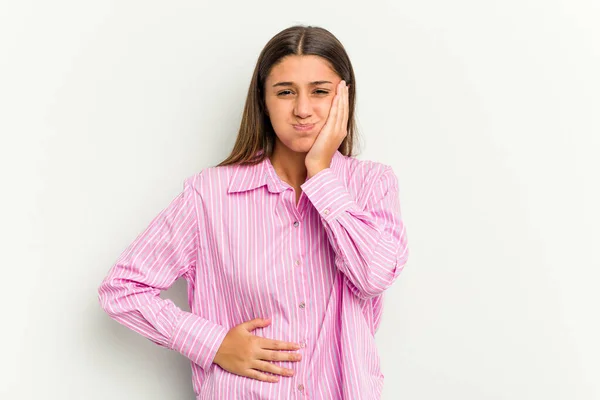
x=287, y=246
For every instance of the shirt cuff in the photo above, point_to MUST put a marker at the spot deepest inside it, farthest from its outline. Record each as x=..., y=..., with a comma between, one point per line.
x=197, y=338
x=328, y=194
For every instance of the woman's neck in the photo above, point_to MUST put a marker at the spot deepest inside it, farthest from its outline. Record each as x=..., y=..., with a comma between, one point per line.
x=289, y=165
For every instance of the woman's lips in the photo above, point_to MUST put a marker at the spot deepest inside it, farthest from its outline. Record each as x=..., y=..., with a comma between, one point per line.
x=306, y=127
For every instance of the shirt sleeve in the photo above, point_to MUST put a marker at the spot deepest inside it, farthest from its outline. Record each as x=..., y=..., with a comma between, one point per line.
x=166, y=250
x=369, y=242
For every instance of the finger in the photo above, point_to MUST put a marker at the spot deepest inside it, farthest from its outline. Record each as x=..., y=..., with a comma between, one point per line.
x=272, y=368
x=279, y=356
x=333, y=111
x=256, y=323
x=277, y=344
x=340, y=109
x=346, y=111
x=261, y=376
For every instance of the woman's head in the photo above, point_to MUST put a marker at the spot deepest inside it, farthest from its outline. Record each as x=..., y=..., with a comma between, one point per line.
x=293, y=82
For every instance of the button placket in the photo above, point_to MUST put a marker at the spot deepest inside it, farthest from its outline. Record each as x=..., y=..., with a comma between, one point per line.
x=301, y=300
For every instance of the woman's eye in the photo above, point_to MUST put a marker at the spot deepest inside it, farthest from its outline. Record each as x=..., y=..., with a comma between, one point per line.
x=286, y=92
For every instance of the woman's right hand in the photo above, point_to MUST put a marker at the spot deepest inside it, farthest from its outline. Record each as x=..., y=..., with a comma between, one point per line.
x=246, y=354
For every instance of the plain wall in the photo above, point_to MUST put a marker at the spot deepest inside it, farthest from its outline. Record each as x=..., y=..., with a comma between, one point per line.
x=486, y=110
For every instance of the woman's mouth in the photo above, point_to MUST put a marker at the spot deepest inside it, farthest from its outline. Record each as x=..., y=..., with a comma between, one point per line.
x=304, y=127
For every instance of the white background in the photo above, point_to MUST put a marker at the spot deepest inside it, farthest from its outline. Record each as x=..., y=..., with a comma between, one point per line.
x=487, y=111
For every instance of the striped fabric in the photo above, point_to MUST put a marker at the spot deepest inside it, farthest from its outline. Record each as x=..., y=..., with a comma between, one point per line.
x=318, y=268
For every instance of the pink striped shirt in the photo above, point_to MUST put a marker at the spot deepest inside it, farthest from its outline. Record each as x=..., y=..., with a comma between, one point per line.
x=318, y=269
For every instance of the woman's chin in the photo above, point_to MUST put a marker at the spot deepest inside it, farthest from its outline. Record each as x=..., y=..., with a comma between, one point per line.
x=304, y=146
x=299, y=143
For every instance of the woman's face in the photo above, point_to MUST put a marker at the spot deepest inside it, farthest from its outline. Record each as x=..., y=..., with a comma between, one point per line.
x=299, y=90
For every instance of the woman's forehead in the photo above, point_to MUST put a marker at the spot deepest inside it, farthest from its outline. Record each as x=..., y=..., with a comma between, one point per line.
x=302, y=70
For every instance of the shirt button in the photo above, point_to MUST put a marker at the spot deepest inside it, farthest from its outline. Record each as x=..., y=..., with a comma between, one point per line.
x=297, y=262
x=296, y=223
x=302, y=305
x=326, y=211
x=300, y=387
x=303, y=344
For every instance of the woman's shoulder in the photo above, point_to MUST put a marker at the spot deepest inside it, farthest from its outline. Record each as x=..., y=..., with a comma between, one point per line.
x=366, y=170
x=354, y=172
x=213, y=175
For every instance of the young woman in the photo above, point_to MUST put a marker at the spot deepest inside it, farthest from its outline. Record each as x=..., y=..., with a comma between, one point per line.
x=287, y=246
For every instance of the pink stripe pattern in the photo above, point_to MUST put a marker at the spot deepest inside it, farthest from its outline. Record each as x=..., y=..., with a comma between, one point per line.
x=318, y=268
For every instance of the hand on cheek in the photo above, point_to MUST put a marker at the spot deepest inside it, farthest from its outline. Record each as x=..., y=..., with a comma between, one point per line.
x=331, y=135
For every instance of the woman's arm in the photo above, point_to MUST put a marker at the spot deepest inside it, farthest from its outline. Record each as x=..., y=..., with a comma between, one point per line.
x=166, y=250
x=370, y=243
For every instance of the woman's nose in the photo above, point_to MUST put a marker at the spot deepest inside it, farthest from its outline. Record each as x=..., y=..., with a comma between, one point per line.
x=303, y=107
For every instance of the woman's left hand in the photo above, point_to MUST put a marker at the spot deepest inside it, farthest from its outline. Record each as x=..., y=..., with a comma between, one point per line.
x=331, y=135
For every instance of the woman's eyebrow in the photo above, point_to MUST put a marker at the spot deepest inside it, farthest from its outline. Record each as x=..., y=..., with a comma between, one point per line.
x=291, y=83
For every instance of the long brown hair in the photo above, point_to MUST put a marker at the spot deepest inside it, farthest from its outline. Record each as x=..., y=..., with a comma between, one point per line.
x=256, y=137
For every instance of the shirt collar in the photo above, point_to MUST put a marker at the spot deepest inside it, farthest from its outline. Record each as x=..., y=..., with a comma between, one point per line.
x=248, y=177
